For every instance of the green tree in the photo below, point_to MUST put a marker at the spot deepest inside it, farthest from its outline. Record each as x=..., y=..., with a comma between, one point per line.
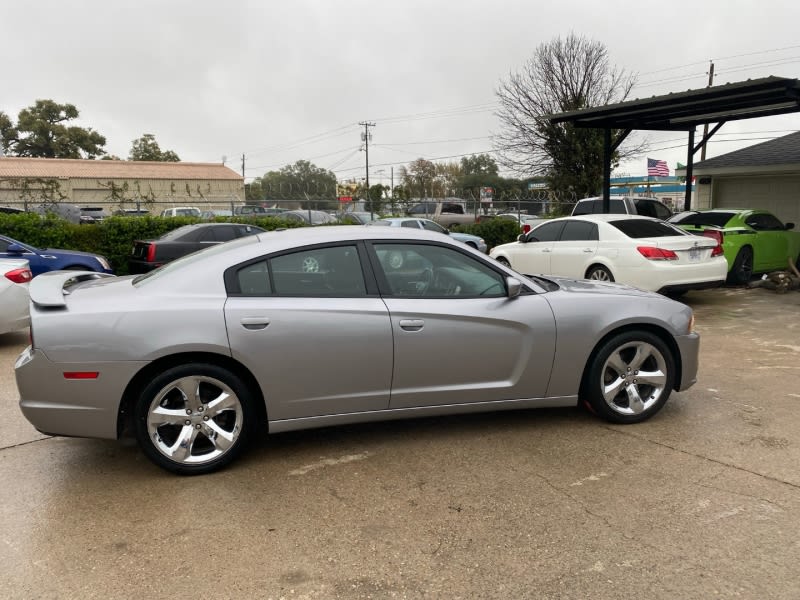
x=478, y=164
x=42, y=130
x=564, y=74
x=418, y=179
x=146, y=148
x=314, y=186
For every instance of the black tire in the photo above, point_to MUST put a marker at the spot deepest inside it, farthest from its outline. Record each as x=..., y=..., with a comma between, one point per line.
x=742, y=270
x=207, y=406
x=599, y=273
x=630, y=377
x=504, y=261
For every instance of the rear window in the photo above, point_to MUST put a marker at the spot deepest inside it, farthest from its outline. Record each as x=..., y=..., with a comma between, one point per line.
x=714, y=219
x=644, y=228
x=588, y=207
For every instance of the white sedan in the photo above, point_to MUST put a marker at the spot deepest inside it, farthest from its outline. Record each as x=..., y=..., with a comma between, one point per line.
x=639, y=251
x=14, y=278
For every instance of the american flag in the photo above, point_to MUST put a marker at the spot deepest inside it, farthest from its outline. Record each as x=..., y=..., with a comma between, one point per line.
x=657, y=168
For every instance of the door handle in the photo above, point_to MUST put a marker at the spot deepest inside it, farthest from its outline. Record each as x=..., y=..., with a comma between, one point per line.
x=412, y=324
x=255, y=323
x=588, y=250
x=545, y=249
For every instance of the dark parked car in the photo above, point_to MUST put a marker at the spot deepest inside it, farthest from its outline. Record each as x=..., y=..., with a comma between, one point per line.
x=150, y=254
x=91, y=215
x=52, y=259
x=9, y=210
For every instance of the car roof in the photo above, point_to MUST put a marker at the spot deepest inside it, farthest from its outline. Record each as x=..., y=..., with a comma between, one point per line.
x=604, y=217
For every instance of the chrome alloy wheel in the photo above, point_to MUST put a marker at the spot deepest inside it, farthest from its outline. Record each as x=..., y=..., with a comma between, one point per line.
x=634, y=378
x=194, y=420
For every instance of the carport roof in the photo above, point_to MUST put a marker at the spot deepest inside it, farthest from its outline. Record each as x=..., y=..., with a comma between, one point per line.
x=684, y=111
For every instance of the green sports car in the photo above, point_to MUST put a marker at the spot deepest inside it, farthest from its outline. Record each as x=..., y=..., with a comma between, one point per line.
x=754, y=241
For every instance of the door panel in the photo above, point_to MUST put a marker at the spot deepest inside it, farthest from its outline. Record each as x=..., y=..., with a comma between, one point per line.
x=463, y=350
x=314, y=356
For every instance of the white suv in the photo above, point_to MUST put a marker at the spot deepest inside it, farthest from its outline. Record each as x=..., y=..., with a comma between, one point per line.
x=631, y=205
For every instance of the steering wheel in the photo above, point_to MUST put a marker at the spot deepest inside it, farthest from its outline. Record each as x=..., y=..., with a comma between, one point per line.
x=425, y=281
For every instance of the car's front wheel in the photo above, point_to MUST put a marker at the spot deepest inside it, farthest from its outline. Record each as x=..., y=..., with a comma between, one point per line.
x=630, y=377
x=504, y=261
x=194, y=418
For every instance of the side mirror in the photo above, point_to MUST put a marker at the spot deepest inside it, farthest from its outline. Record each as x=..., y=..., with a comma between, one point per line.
x=15, y=249
x=514, y=287
x=522, y=238
x=789, y=226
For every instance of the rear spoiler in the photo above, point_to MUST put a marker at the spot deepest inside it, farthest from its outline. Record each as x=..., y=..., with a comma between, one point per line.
x=49, y=289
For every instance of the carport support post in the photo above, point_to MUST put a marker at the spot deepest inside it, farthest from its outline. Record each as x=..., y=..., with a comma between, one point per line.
x=687, y=202
x=606, y=170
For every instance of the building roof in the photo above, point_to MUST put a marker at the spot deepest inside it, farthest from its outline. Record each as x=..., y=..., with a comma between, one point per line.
x=13, y=166
x=784, y=150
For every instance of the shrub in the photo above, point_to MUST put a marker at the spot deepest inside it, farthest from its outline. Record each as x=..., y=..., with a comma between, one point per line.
x=493, y=231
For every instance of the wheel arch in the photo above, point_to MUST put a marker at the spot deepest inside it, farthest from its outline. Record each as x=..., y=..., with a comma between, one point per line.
x=656, y=330
x=151, y=370
x=594, y=264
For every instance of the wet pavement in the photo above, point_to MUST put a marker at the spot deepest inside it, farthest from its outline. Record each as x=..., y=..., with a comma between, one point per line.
x=702, y=501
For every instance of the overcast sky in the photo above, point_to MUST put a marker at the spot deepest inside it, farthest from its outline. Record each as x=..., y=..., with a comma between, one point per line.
x=283, y=81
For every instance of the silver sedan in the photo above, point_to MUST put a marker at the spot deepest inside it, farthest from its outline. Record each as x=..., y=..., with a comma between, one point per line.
x=260, y=334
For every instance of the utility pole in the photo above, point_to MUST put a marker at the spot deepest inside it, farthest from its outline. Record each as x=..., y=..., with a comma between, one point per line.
x=705, y=127
x=365, y=137
x=244, y=185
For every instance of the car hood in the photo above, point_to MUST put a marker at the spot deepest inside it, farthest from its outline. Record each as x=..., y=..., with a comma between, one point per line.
x=604, y=288
x=61, y=252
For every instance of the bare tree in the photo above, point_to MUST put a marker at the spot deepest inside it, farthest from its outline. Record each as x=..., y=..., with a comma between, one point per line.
x=564, y=74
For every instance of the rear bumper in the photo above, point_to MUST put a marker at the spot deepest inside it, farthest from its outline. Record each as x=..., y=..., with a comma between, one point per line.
x=72, y=407
x=685, y=287
x=136, y=267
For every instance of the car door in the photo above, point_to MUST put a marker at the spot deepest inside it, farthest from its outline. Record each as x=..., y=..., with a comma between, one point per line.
x=532, y=254
x=458, y=338
x=312, y=328
x=575, y=249
x=771, y=244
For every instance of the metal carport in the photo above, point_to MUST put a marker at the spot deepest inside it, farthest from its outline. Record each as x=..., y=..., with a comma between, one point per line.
x=684, y=111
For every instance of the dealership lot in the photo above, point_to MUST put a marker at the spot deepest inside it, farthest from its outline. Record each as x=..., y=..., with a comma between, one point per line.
x=701, y=501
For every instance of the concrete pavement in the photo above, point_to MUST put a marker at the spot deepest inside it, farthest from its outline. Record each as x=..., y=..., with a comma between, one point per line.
x=702, y=501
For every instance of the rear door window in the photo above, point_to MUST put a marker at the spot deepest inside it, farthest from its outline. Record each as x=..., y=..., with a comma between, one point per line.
x=578, y=231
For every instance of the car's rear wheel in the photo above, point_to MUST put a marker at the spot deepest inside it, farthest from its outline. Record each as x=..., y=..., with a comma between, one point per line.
x=194, y=418
x=599, y=273
x=630, y=377
x=742, y=269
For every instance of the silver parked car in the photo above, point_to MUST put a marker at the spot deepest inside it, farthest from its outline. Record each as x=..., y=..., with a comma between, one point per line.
x=198, y=355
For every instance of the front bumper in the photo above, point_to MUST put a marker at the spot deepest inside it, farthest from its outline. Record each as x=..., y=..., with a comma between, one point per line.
x=689, y=349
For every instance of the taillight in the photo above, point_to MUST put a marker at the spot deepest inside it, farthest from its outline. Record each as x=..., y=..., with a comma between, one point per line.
x=717, y=237
x=653, y=253
x=714, y=235
x=526, y=228
x=20, y=275
x=151, y=253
